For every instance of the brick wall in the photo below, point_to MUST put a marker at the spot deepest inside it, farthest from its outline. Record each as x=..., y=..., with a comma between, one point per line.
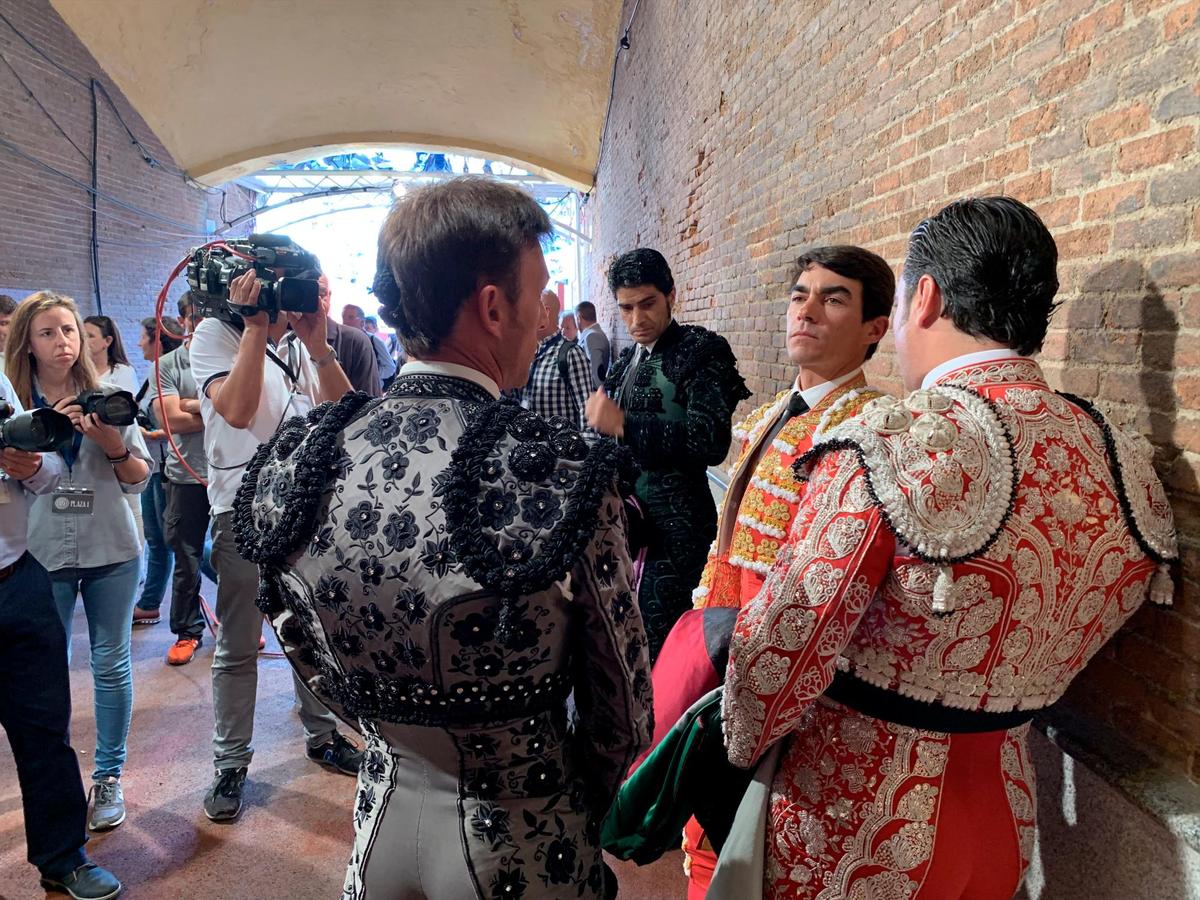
x=742, y=131
x=45, y=219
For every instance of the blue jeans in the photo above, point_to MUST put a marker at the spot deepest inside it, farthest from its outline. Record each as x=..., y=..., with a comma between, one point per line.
x=159, y=556
x=108, y=602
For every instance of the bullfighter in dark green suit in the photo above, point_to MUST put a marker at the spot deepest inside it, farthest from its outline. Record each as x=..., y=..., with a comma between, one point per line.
x=671, y=398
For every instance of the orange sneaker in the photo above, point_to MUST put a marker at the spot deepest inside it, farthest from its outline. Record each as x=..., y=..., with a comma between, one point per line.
x=182, y=651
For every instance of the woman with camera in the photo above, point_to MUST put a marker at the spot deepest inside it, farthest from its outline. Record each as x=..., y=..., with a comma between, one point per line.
x=47, y=366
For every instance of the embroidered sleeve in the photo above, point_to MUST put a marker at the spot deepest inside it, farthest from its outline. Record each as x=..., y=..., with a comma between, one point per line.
x=709, y=394
x=612, y=666
x=787, y=640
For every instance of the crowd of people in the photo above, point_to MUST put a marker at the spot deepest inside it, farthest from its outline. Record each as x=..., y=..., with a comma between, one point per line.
x=489, y=546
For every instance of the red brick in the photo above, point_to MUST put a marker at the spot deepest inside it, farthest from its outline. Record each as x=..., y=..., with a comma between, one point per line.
x=1015, y=38
x=1006, y=164
x=1118, y=124
x=1087, y=29
x=1155, y=149
x=959, y=182
x=1035, y=122
x=1063, y=76
x=1091, y=240
x=1180, y=20
x=1120, y=198
x=1029, y=187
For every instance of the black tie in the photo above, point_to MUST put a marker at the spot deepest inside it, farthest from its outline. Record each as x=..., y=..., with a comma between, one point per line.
x=795, y=407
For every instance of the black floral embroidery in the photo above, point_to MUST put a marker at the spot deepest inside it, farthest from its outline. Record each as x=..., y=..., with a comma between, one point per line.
x=384, y=662
x=560, y=861
x=331, y=592
x=541, y=509
x=421, y=426
x=490, y=822
x=395, y=465
x=371, y=570
x=346, y=642
x=372, y=618
x=498, y=508
x=401, y=530
x=438, y=557
x=363, y=521
x=412, y=605
x=475, y=630
x=510, y=883
x=383, y=426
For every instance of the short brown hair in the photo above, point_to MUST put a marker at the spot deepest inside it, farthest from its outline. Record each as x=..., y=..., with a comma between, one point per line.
x=443, y=242
x=7, y=305
x=586, y=311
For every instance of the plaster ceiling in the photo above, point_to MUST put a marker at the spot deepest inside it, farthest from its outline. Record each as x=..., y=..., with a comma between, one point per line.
x=233, y=86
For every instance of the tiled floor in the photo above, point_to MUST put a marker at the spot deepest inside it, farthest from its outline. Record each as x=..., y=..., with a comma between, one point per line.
x=294, y=835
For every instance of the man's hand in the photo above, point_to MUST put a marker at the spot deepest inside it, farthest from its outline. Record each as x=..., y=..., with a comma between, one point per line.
x=243, y=291
x=604, y=415
x=312, y=331
x=20, y=464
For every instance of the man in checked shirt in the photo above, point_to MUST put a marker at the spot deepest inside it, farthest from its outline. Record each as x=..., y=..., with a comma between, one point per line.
x=559, y=379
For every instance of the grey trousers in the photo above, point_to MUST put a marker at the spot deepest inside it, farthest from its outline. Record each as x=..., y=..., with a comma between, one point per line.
x=235, y=660
x=408, y=838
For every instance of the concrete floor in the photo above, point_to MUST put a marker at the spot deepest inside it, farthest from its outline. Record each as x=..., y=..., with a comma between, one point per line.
x=294, y=835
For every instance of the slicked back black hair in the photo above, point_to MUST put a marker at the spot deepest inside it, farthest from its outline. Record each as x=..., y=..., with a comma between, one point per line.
x=996, y=265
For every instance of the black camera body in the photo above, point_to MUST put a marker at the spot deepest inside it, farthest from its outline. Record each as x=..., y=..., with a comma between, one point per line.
x=112, y=406
x=287, y=277
x=37, y=431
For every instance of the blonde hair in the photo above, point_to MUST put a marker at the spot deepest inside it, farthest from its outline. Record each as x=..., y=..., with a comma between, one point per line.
x=19, y=363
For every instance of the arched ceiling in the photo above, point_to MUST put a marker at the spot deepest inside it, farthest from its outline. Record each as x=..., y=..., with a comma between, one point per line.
x=232, y=86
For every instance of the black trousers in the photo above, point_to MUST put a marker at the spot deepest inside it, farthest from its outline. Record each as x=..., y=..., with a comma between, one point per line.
x=185, y=523
x=35, y=711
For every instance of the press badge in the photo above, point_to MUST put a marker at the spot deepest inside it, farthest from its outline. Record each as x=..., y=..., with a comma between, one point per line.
x=73, y=501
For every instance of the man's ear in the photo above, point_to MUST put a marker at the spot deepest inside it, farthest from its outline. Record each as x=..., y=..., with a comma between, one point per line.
x=671, y=299
x=874, y=329
x=926, y=304
x=487, y=304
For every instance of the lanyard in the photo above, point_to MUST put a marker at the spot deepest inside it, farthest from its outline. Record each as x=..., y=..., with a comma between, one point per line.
x=69, y=454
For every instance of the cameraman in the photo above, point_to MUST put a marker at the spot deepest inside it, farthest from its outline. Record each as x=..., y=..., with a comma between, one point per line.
x=251, y=380
x=35, y=689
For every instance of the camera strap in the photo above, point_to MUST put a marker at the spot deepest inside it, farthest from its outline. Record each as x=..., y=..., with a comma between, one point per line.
x=69, y=454
x=288, y=368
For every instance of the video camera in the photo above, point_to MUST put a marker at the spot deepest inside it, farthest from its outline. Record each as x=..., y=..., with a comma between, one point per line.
x=287, y=277
x=37, y=431
x=111, y=406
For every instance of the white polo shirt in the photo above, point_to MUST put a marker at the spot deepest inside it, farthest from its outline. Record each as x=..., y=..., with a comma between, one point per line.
x=284, y=394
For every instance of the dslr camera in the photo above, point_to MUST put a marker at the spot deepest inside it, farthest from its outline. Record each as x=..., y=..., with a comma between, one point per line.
x=112, y=406
x=37, y=431
x=287, y=277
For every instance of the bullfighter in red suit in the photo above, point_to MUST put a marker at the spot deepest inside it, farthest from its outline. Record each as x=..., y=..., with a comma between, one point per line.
x=958, y=557
x=837, y=312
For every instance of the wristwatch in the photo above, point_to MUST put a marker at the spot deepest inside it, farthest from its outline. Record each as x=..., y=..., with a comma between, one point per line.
x=328, y=359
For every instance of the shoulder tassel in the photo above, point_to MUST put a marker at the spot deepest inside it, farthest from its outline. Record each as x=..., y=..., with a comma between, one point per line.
x=1162, y=588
